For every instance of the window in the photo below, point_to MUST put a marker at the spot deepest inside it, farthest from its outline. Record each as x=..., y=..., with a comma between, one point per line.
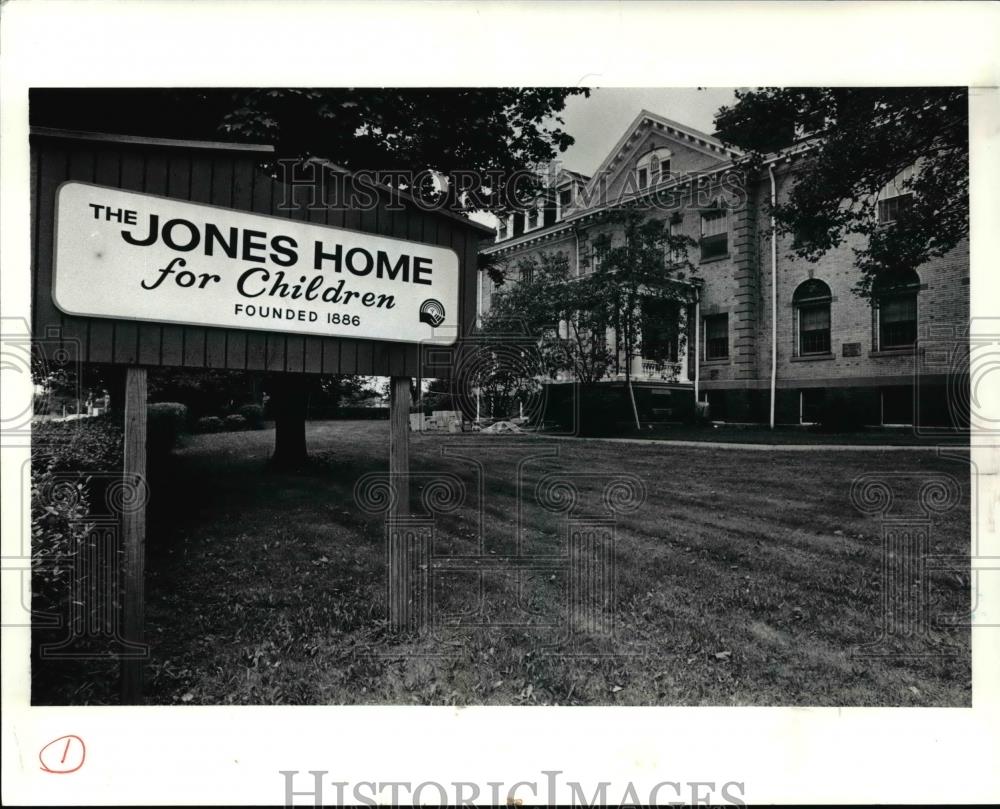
x=716, y=337
x=527, y=273
x=716, y=404
x=896, y=310
x=502, y=230
x=532, y=217
x=518, y=224
x=595, y=260
x=812, y=317
x=653, y=167
x=565, y=197
x=889, y=209
x=897, y=406
x=714, y=234
x=658, y=329
x=668, y=255
x=811, y=401
x=895, y=197
x=598, y=341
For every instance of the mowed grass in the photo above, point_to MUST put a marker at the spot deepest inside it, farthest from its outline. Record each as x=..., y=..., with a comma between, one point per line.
x=745, y=578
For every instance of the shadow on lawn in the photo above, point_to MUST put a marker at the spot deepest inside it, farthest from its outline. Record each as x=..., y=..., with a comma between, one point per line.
x=744, y=582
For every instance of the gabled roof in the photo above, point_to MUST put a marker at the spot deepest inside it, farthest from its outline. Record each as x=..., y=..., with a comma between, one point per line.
x=650, y=121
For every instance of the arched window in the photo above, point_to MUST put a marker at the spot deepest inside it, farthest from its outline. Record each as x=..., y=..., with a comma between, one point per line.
x=653, y=167
x=895, y=302
x=812, y=317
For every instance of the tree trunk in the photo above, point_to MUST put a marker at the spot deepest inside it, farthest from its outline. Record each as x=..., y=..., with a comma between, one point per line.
x=288, y=399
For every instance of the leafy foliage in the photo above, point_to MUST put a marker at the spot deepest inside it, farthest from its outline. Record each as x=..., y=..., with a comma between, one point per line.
x=235, y=421
x=209, y=424
x=166, y=422
x=646, y=264
x=254, y=415
x=569, y=315
x=492, y=131
x=860, y=139
x=67, y=462
x=545, y=296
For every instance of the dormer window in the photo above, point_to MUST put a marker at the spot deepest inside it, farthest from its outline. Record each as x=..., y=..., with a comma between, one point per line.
x=502, y=230
x=653, y=168
x=564, y=201
x=532, y=217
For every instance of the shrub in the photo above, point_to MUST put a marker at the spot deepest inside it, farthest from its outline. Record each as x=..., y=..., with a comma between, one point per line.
x=254, y=415
x=73, y=464
x=209, y=424
x=166, y=422
x=81, y=445
x=235, y=422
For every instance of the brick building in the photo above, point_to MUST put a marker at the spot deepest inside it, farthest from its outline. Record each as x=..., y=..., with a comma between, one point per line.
x=890, y=362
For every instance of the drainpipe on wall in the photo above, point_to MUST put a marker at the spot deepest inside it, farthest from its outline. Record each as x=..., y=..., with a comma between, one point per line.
x=697, y=342
x=576, y=236
x=479, y=297
x=774, y=294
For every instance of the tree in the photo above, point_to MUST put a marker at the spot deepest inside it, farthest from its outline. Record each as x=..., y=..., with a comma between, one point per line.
x=562, y=313
x=484, y=141
x=860, y=139
x=637, y=290
x=640, y=281
x=479, y=138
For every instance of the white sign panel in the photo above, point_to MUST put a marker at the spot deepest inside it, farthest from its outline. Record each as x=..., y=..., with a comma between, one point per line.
x=120, y=254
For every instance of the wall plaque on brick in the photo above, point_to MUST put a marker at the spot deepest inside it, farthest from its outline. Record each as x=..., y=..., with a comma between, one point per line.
x=852, y=349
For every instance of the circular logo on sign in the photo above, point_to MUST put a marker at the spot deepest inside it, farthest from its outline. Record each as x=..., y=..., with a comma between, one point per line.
x=432, y=312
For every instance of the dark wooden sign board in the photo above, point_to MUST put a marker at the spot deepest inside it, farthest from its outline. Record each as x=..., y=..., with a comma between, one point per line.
x=229, y=176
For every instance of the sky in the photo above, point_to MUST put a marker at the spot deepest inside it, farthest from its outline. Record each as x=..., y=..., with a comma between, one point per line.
x=599, y=121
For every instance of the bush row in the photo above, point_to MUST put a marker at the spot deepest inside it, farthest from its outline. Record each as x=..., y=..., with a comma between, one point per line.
x=168, y=420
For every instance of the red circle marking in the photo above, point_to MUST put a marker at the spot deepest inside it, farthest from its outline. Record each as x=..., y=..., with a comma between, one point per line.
x=63, y=755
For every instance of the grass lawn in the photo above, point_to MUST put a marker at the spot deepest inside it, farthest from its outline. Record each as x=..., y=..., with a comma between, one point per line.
x=744, y=578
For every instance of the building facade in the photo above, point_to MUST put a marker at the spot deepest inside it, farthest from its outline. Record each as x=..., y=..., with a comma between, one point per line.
x=768, y=336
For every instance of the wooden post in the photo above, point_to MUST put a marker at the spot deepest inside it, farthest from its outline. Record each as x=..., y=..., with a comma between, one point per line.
x=399, y=479
x=133, y=533
x=399, y=442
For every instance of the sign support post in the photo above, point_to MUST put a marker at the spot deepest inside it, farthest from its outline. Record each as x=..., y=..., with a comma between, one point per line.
x=399, y=478
x=133, y=531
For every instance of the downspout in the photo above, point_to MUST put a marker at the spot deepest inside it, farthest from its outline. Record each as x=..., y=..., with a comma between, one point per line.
x=576, y=236
x=774, y=293
x=697, y=343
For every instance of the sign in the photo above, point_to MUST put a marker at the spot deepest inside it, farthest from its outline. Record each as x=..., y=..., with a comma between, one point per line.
x=124, y=255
